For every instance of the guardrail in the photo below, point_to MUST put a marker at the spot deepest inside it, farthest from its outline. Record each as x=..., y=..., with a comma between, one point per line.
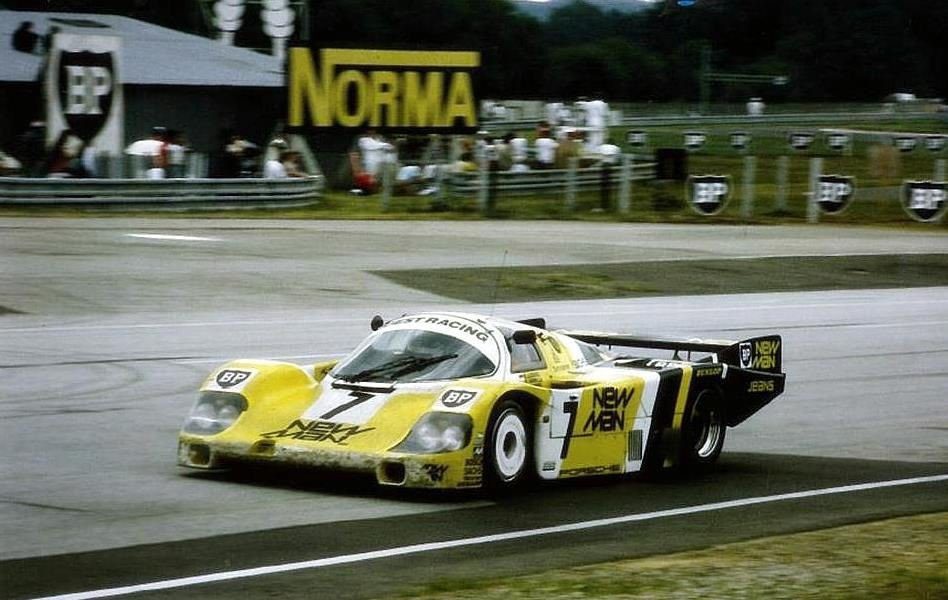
x=766, y=119
x=162, y=193
x=529, y=182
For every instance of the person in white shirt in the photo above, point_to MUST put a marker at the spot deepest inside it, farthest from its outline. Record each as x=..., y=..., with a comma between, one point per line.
x=373, y=149
x=596, y=113
x=546, y=152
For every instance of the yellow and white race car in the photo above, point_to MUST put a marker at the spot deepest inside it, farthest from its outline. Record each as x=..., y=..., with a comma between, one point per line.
x=451, y=400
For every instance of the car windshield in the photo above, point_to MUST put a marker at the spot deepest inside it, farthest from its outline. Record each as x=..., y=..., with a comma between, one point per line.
x=407, y=355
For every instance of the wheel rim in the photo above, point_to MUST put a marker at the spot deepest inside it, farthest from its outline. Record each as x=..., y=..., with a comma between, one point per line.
x=510, y=446
x=709, y=428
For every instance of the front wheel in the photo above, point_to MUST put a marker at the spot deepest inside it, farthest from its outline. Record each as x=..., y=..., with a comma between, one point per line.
x=703, y=431
x=507, y=453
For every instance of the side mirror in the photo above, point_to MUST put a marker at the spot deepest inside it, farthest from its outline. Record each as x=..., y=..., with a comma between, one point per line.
x=524, y=336
x=377, y=322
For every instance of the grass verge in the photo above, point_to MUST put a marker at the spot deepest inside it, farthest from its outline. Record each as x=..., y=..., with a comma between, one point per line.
x=904, y=558
x=673, y=278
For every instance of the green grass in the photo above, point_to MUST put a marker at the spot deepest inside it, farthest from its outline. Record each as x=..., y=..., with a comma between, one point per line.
x=684, y=277
x=897, y=559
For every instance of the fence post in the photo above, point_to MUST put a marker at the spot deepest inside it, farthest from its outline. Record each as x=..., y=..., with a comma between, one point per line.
x=939, y=174
x=572, y=164
x=440, y=192
x=783, y=177
x=747, y=203
x=812, y=204
x=387, y=181
x=482, y=180
x=625, y=184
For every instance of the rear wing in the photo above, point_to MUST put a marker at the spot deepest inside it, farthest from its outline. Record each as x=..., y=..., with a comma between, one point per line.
x=764, y=353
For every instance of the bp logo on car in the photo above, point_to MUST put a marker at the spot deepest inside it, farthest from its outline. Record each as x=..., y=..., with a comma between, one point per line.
x=834, y=193
x=925, y=201
x=708, y=194
x=232, y=380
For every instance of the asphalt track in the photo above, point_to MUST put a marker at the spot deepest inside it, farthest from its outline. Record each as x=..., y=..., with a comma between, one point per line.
x=117, y=321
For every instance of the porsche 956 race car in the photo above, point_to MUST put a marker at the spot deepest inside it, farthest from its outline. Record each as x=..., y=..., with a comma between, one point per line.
x=450, y=400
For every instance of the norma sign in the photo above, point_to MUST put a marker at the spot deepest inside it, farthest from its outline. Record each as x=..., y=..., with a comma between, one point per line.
x=694, y=140
x=800, y=140
x=834, y=193
x=636, y=138
x=708, y=194
x=403, y=90
x=740, y=140
x=924, y=201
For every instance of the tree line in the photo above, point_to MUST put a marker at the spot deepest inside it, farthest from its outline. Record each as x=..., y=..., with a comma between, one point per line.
x=831, y=50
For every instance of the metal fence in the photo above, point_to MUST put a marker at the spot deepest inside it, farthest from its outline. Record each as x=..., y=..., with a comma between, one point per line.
x=162, y=193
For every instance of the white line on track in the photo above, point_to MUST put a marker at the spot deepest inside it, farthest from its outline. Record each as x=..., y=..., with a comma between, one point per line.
x=486, y=539
x=209, y=361
x=172, y=237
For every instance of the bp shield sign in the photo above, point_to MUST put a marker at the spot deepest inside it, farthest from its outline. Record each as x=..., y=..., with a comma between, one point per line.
x=84, y=90
x=834, y=193
x=925, y=201
x=905, y=143
x=708, y=194
x=800, y=140
x=636, y=138
x=694, y=140
x=837, y=141
x=740, y=140
x=935, y=143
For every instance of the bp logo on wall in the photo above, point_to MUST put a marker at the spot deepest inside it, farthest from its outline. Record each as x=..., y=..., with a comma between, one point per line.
x=905, y=143
x=694, y=140
x=835, y=192
x=924, y=201
x=800, y=140
x=837, y=141
x=708, y=194
x=86, y=90
x=636, y=138
x=83, y=90
x=740, y=140
x=935, y=143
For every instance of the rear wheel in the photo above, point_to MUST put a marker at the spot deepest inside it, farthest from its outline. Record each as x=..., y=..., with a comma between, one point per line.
x=508, y=450
x=703, y=431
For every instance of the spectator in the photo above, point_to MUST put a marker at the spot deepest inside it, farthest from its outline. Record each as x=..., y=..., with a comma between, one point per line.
x=24, y=38
x=546, y=150
x=63, y=160
x=176, y=150
x=518, y=148
x=597, y=112
x=273, y=168
x=293, y=164
x=9, y=166
x=31, y=149
x=372, y=149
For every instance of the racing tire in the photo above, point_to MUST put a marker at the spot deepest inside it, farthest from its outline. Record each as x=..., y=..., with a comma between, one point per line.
x=508, y=453
x=702, y=431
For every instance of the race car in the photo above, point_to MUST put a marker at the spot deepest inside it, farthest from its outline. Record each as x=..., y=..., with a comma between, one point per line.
x=455, y=400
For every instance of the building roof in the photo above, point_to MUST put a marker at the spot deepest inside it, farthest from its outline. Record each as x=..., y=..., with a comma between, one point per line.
x=151, y=55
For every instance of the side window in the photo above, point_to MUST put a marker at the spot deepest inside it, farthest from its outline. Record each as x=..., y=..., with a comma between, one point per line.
x=524, y=357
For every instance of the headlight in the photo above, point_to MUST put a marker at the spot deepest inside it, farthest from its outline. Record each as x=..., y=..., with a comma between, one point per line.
x=214, y=412
x=437, y=432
